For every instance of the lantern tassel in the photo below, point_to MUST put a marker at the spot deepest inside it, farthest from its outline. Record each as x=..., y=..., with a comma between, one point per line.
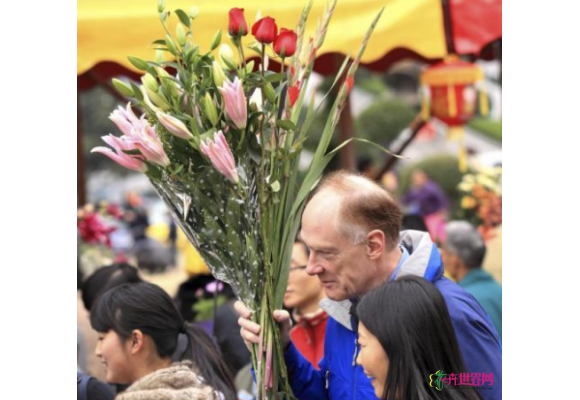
x=451, y=102
x=425, y=114
x=483, y=101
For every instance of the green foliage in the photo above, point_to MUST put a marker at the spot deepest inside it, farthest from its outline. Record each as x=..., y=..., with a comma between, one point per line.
x=441, y=168
x=489, y=127
x=382, y=122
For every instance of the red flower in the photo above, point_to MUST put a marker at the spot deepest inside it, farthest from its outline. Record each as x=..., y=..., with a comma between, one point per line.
x=238, y=26
x=93, y=230
x=349, y=83
x=114, y=211
x=293, y=93
x=285, y=41
x=265, y=30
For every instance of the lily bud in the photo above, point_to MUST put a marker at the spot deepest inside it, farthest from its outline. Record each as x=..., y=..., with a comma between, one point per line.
x=123, y=88
x=270, y=92
x=209, y=109
x=159, y=56
x=174, y=125
x=227, y=57
x=219, y=76
x=180, y=33
x=150, y=82
x=193, y=12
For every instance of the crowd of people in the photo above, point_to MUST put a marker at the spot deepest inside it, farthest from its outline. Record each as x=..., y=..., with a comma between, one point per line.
x=371, y=311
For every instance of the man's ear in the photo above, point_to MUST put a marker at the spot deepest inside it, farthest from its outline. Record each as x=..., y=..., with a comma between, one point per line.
x=375, y=242
x=136, y=341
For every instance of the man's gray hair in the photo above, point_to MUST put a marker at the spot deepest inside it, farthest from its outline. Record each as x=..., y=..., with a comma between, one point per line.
x=465, y=241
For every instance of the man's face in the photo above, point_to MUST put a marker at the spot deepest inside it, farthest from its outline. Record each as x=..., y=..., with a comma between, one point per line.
x=450, y=262
x=342, y=268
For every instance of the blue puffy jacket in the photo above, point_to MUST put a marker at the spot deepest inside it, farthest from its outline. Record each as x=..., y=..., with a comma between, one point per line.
x=339, y=377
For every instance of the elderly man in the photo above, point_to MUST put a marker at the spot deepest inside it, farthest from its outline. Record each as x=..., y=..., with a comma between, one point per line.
x=463, y=254
x=351, y=226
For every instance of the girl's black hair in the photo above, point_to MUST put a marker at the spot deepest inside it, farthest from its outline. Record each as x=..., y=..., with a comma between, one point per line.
x=105, y=278
x=410, y=319
x=148, y=308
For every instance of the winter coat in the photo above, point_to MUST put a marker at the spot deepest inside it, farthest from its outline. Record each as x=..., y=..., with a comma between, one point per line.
x=177, y=382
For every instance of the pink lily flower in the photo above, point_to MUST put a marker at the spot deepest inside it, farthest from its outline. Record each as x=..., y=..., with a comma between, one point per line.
x=221, y=156
x=138, y=135
x=236, y=109
x=125, y=119
x=134, y=163
x=149, y=143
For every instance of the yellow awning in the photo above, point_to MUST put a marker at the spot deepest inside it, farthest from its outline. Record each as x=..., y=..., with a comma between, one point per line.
x=111, y=30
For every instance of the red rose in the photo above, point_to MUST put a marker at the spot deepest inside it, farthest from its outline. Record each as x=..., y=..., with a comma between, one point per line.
x=238, y=26
x=265, y=30
x=285, y=41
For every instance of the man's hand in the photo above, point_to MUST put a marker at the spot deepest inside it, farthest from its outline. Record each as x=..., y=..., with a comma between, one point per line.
x=250, y=331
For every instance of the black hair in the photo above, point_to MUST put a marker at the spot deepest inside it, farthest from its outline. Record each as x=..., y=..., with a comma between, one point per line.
x=410, y=320
x=105, y=278
x=148, y=308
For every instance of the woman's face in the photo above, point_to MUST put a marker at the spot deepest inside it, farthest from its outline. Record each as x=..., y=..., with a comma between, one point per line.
x=303, y=291
x=373, y=359
x=113, y=353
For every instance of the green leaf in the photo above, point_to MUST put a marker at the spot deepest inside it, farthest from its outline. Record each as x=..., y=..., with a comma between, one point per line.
x=286, y=124
x=183, y=18
x=275, y=77
x=138, y=63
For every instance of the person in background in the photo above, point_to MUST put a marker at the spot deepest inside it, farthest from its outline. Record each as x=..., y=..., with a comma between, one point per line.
x=463, y=253
x=144, y=342
x=106, y=278
x=427, y=199
x=405, y=337
x=103, y=279
x=303, y=295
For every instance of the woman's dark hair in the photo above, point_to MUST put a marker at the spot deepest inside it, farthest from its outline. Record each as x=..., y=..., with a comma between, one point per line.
x=410, y=320
x=148, y=308
x=106, y=278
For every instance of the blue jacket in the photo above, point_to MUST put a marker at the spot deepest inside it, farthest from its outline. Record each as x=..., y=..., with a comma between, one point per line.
x=339, y=377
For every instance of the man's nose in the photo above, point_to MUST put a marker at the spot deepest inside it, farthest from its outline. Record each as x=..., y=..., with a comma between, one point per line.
x=313, y=267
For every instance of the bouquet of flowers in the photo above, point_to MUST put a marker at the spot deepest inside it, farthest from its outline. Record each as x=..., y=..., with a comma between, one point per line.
x=95, y=226
x=481, y=199
x=220, y=141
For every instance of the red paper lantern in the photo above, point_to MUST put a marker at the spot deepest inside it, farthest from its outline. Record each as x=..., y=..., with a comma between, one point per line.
x=450, y=95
